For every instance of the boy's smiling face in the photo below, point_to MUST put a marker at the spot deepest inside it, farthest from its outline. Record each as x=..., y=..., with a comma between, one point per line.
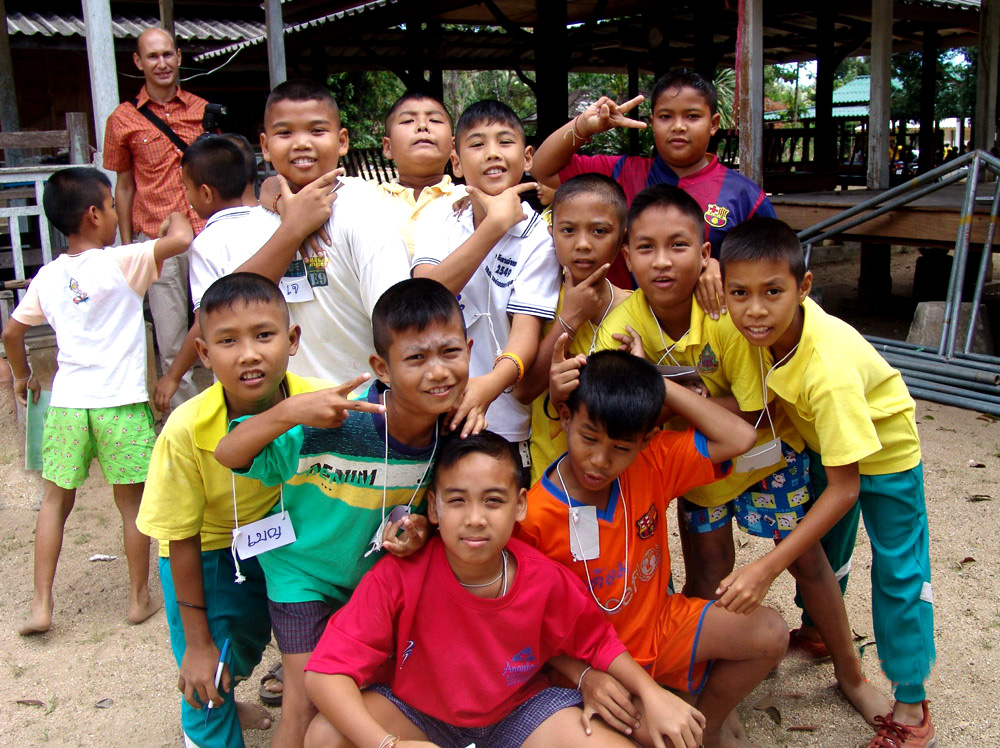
x=491, y=156
x=666, y=253
x=587, y=233
x=247, y=346
x=303, y=139
x=426, y=369
x=419, y=138
x=764, y=301
x=683, y=125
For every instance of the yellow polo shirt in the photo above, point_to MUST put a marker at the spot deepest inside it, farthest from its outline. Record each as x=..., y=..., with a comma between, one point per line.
x=726, y=363
x=434, y=203
x=187, y=491
x=845, y=400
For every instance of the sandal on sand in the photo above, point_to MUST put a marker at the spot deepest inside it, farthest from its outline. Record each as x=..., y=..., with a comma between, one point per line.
x=270, y=698
x=815, y=649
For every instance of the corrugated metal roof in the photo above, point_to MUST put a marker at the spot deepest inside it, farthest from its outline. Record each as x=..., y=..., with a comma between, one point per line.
x=129, y=27
x=357, y=10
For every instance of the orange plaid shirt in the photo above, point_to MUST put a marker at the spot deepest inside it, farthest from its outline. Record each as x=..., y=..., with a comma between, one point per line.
x=132, y=142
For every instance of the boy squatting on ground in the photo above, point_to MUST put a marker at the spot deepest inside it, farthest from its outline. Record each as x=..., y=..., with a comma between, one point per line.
x=500, y=608
x=343, y=477
x=588, y=229
x=214, y=601
x=92, y=297
x=684, y=118
x=662, y=322
x=856, y=416
x=497, y=256
x=601, y=511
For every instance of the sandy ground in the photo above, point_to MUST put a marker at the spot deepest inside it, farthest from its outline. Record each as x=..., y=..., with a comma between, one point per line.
x=93, y=656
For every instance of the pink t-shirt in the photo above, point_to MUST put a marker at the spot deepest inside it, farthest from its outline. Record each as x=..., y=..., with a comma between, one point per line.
x=462, y=659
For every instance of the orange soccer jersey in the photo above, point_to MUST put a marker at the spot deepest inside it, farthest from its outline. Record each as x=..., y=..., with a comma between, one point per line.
x=660, y=629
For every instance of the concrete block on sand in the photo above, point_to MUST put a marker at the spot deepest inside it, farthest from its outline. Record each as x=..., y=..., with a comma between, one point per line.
x=925, y=329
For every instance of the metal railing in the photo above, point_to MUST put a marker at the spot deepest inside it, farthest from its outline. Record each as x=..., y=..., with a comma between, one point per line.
x=945, y=375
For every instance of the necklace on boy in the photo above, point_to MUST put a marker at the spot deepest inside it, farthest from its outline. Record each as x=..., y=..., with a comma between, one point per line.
x=502, y=575
x=611, y=300
x=586, y=568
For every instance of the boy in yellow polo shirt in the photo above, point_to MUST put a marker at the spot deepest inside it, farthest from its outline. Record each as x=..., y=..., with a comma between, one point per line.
x=857, y=419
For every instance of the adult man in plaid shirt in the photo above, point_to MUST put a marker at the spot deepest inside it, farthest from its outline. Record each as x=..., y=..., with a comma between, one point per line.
x=149, y=185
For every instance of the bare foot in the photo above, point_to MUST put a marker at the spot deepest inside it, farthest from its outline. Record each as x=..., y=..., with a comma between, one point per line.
x=733, y=727
x=864, y=697
x=253, y=716
x=140, y=611
x=39, y=619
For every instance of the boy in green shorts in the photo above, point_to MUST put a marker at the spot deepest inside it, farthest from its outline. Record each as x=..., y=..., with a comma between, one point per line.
x=92, y=297
x=856, y=416
x=352, y=471
x=213, y=591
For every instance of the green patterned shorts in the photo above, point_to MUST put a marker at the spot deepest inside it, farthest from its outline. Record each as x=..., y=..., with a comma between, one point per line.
x=121, y=438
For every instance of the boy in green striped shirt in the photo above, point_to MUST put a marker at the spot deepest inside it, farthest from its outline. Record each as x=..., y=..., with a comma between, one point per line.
x=352, y=470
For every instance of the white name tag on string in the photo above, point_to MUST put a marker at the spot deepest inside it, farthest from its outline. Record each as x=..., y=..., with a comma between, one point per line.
x=765, y=455
x=264, y=535
x=295, y=288
x=397, y=513
x=584, y=536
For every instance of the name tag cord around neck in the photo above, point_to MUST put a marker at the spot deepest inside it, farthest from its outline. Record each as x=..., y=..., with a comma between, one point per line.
x=667, y=352
x=595, y=330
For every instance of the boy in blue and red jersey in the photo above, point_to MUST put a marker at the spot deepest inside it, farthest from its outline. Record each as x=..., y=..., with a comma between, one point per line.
x=685, y=118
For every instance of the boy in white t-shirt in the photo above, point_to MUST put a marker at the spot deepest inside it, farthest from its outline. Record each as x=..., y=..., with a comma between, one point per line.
x=92, y=297
x=497, y=256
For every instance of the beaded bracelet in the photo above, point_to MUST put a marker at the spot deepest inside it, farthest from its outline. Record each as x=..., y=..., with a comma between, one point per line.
x=274, y=205
x=517, y=362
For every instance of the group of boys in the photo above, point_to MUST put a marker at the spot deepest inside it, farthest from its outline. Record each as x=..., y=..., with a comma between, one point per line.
x=294, y=495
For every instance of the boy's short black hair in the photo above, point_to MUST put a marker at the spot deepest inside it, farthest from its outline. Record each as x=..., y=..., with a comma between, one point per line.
x=488, y=112
x=301, y=90
x=665, y=196
x=761, y=240
x=686, y=78
x=622, y=392
x=240, y=288
x=599, y=184
x=249, y=153
x=414, y=94
x=69, y=193
x=412, y=304
x=454, y=448
x=219, y=163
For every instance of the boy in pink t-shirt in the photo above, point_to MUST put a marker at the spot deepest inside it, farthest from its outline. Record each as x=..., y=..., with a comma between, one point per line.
x=448, y=645
x=92, y=297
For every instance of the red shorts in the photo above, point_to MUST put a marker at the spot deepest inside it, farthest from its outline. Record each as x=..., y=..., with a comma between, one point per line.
x=673, y=661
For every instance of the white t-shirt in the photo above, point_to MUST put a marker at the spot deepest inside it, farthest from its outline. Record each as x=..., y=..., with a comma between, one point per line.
x=519, y=276
x=93, y=300
x=230, y=238
x=366, y=257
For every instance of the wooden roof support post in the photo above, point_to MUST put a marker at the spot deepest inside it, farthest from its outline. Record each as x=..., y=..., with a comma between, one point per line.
x=167, y=16
x=879, y=110
x=984, y=126
x=633, y=91
x=103, y=70
x=929, y=53
x=551, y=71
x=275, y=30
x=751, y=72
x=826, y=145
x=8, y=96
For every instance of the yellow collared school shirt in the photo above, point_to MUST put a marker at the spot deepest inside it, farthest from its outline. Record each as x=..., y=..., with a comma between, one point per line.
x=434, y=203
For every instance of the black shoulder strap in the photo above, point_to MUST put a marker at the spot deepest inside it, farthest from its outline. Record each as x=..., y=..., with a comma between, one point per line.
x=160, y=125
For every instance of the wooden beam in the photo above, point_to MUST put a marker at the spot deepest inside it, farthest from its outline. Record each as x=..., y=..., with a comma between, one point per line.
x=751, y=77
x=928, y=93
x=984, y=126
x=551, y=67
x=879, y=108
x=8, y=93
x=826, y=147
x=275, y=30
x=633, y=91
x=167, y=16
x=103, y=69
x=35, y=139
x=76, y=129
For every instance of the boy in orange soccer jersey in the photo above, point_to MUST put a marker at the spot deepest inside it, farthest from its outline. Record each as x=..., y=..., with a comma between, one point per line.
x=601, y=510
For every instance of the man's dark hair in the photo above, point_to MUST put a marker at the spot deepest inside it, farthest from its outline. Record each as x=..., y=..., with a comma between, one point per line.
x=764, y=240
x=69, y=193
x=599, y=184
x=249, y=154
x=240, y=288
x=219, y=163
x=621, y=392
x=487, y=112
x=665, y=196
x=301, y=90
x=414, y=94
x=686, y=78
x=454, y=448
x=412, y=304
